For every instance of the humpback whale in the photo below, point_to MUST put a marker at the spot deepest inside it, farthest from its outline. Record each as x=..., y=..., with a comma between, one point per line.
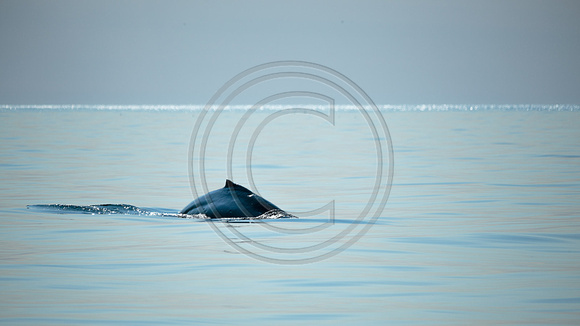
x=230, y=202
x=233, y=201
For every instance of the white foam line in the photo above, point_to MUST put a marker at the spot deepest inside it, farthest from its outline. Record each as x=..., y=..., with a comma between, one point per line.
x=383, y=108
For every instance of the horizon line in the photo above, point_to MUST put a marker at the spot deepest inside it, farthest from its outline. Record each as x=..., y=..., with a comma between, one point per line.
x=270, y=107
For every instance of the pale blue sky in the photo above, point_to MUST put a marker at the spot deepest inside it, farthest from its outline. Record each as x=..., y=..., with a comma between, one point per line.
x=181, y=52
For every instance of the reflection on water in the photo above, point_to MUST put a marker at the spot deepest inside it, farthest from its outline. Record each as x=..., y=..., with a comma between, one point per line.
x=481, y=227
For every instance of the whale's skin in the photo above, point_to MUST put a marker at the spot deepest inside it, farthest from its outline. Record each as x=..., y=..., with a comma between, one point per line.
x=231, y=201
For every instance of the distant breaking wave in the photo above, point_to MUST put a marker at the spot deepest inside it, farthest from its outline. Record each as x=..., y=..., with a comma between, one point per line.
x=382, y=108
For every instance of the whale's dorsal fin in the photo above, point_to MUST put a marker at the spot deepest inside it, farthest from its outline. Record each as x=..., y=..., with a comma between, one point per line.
x=229, y=184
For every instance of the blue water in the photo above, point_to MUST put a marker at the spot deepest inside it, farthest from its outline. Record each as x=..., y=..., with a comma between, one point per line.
x=482, y=224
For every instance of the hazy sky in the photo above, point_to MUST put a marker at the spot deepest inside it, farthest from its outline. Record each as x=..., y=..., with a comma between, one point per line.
x=181, y=52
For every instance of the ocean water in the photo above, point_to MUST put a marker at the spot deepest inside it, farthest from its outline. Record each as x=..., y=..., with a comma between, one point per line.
x=481, y=225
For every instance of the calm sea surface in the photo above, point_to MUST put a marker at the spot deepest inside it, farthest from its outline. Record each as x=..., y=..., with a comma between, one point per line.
x=482, y=225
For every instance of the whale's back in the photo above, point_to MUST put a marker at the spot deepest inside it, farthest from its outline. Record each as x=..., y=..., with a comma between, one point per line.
x=231, y=201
